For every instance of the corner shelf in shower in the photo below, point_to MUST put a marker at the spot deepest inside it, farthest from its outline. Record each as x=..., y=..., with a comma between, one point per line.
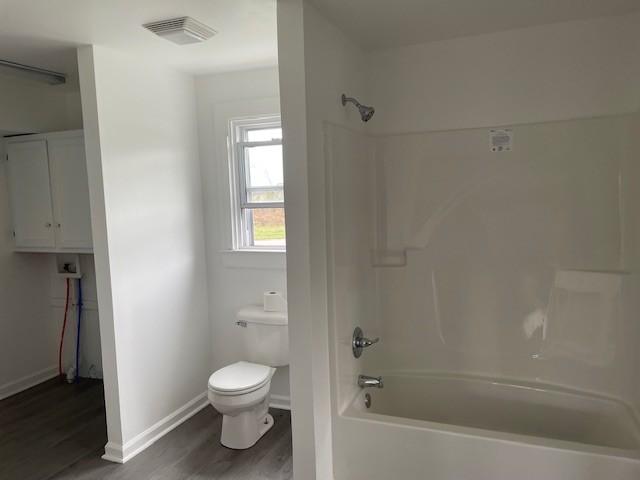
x=389, y=258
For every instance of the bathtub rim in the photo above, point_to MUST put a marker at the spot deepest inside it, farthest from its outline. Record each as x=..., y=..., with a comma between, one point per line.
x=515, y=383
x=357, y=414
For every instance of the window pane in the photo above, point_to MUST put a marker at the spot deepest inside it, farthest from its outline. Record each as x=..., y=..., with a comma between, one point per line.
x=264, y=134
x=268, y=226
x=265, y=194
x=264, y=170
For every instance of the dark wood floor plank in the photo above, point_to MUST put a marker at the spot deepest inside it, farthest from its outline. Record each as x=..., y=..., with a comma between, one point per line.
x=59, y=456
x=248, y=460
x=211, y=461
x=272, y=464
x=286, y=472
x=56, y=431
x=89, y=467
x=162, y=455
x=46, y=432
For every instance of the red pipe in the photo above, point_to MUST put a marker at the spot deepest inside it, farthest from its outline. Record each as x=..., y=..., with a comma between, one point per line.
x=64, y=326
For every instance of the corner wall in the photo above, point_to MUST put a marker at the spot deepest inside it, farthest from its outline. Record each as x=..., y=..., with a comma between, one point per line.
x=317, y=64
x=147, y=222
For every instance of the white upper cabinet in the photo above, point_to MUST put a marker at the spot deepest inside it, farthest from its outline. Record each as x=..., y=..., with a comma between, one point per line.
x=29, y=186
x=70, y=188
x=49, y=191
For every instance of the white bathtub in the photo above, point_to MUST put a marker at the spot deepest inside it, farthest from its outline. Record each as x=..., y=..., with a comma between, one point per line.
x=458, y=428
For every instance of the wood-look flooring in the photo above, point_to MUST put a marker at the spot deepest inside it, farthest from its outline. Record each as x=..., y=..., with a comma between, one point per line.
x=58, y=431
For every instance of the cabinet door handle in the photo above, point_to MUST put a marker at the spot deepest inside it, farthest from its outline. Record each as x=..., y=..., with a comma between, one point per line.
x=48, y=225
x=58, y=225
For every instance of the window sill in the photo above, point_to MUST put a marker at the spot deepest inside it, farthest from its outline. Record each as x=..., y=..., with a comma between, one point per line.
x=269, y=259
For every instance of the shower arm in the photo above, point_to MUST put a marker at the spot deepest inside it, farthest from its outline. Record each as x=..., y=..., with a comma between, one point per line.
x=346, y=99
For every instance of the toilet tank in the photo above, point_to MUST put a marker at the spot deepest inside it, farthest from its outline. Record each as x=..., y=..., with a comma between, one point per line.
x=265, y=336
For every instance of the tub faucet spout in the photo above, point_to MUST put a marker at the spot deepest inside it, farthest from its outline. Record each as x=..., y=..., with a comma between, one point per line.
x=365, y=381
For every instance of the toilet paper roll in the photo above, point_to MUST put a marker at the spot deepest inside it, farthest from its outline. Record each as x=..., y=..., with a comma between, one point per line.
x=274, y=302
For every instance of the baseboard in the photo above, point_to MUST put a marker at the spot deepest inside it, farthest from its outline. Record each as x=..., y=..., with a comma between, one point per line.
x=121, y=454
x=113, y=452
x=26, y=382
x=280, y=401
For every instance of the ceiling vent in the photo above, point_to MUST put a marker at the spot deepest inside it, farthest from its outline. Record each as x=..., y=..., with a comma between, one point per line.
x=182, y=30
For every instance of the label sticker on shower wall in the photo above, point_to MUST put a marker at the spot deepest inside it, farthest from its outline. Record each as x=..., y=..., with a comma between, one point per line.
x=501, y=140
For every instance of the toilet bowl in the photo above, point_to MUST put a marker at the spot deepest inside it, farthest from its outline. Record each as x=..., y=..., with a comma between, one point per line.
x=240, y=391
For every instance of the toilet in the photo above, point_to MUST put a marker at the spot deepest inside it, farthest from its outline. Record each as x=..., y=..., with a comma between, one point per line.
x=240, y=391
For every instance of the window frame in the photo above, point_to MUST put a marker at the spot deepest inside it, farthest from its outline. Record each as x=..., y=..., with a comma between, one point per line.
x=240, y=206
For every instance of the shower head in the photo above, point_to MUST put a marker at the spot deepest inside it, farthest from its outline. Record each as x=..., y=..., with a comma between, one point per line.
x=365, y=112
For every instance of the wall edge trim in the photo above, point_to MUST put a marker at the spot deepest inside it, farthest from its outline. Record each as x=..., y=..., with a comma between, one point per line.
x=117, y=453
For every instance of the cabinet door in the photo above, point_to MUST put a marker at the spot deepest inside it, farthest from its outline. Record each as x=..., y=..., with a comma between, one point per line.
x=28, y=175
x=72, y=218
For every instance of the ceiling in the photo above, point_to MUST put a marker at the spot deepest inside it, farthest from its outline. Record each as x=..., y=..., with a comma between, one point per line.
x=45, y=33
x=380, y=24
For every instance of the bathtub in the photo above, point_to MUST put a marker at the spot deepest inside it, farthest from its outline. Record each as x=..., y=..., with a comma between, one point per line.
x=442, y=427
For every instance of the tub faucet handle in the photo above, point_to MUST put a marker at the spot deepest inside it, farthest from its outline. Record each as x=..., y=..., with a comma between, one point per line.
x=359, y=342
x=365, y=342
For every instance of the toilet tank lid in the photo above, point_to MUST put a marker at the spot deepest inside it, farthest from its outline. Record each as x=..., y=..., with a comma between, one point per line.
x=257, y=314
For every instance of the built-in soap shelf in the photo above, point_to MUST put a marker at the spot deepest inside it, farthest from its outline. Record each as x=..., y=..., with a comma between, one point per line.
x=389, y=259
x=590, y=281
x=587, y=271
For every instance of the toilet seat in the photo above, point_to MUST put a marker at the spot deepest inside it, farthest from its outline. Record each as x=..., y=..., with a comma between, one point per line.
x=239, y=378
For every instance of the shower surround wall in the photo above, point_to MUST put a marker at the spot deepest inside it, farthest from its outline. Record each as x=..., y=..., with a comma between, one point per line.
x=516, y=264
x=498, y=243
x=519, y=266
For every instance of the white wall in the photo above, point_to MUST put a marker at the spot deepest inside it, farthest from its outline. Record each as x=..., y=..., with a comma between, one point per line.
x=33, y=108
x=568, y=70
x=234, y=279
x=28, y=336
x=146, y=209
x=74, y=110
x=317, y=64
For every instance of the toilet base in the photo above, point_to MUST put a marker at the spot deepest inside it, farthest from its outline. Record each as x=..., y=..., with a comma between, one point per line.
x=244, y=430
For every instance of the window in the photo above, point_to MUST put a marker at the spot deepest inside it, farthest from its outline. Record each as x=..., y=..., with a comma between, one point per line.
x=258, y=184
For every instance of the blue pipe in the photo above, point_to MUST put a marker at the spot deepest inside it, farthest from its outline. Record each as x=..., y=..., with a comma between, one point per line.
x=78, y=335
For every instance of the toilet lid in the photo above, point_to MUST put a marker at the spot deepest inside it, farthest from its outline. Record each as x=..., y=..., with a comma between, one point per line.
x=239, y=376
